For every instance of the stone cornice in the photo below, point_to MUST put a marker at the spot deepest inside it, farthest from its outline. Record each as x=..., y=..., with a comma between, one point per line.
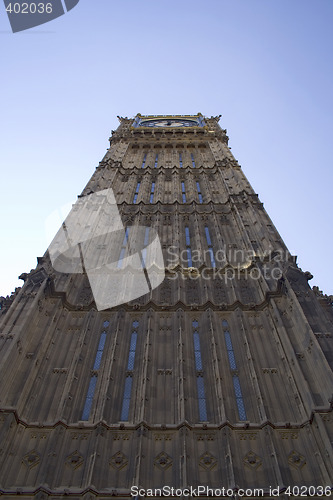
x=194, y=206
x=199, y=134
x=179, y=305
x=122, y=426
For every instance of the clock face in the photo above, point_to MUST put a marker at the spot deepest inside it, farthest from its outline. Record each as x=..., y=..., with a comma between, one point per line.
x=172, y=122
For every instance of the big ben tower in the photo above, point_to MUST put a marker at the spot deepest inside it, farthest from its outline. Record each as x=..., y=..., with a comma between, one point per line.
x=195, y=360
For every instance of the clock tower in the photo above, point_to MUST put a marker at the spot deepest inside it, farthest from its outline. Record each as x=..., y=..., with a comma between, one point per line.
x=217, y=376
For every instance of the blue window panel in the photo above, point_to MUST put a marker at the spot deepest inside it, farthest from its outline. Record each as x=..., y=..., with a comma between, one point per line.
x=126, y=399
x=144, y=161
x=152, y=187
x=125, y=409
x=199, y=192
x=196, y=341
x=136, y=192
x=232, y=361
x=91, y=388
x=131, y=359
x=89, y=398
x=211, y=255
x=121, y=256
x=241, y=409
x=145, y=243
x=100, y=349
x=193, y=162
x=228, y=342
x=135, y=324
x=195, y=323
x=189, y=257
x=128, y=387
x=151, y=199
x=134, y=337
x=224, y=323
x=202, y=410
x=106, y=324
x=237, y=387
x=125, y=237
x=183, y=192
x=131, y=354
x=98, y=360
x=187, y=236
x=180, y=160
x=86, y=409
x=201, y=399
x=201, y=388
x=143, y=257
x=146, y=236
x=209, y=241
x=198, y=361
x=156, y=161
x=102, y=341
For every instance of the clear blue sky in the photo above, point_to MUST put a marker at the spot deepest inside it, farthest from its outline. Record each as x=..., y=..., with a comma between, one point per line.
x=265, y=65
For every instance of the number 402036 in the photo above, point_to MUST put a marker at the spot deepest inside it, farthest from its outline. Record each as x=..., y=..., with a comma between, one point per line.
x=29, y=8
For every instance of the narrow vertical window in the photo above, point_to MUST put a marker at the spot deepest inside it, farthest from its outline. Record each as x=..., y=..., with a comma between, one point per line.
x=197, y=351
x=156, y=161
x=136, y=192
x=131, y=354
x=123, y=248
x=199, y=191
x=145, y=244
x=129, y=377
x=233, y=368
x=127, y=398
x=198, y=367
x=89, y=398
x=151, y=199
x=230, y=350
x=93, y=378
x=99, y=353
x=239, y=398
x=144, y=161
x=201, y=399
x=210, y=247
x=180, y=160
x=183, y=192
x=193, y=162
x=188, y=246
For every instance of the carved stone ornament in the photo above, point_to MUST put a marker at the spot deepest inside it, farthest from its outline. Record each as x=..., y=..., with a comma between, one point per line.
x=296, y=460
x=163, y=461
x=118, y=461
x=252, y=460
x=31, y=459
x=207, y=461
x=74, y=460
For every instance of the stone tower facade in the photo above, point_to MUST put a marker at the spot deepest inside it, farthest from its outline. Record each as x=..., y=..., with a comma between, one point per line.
x=220, y=377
